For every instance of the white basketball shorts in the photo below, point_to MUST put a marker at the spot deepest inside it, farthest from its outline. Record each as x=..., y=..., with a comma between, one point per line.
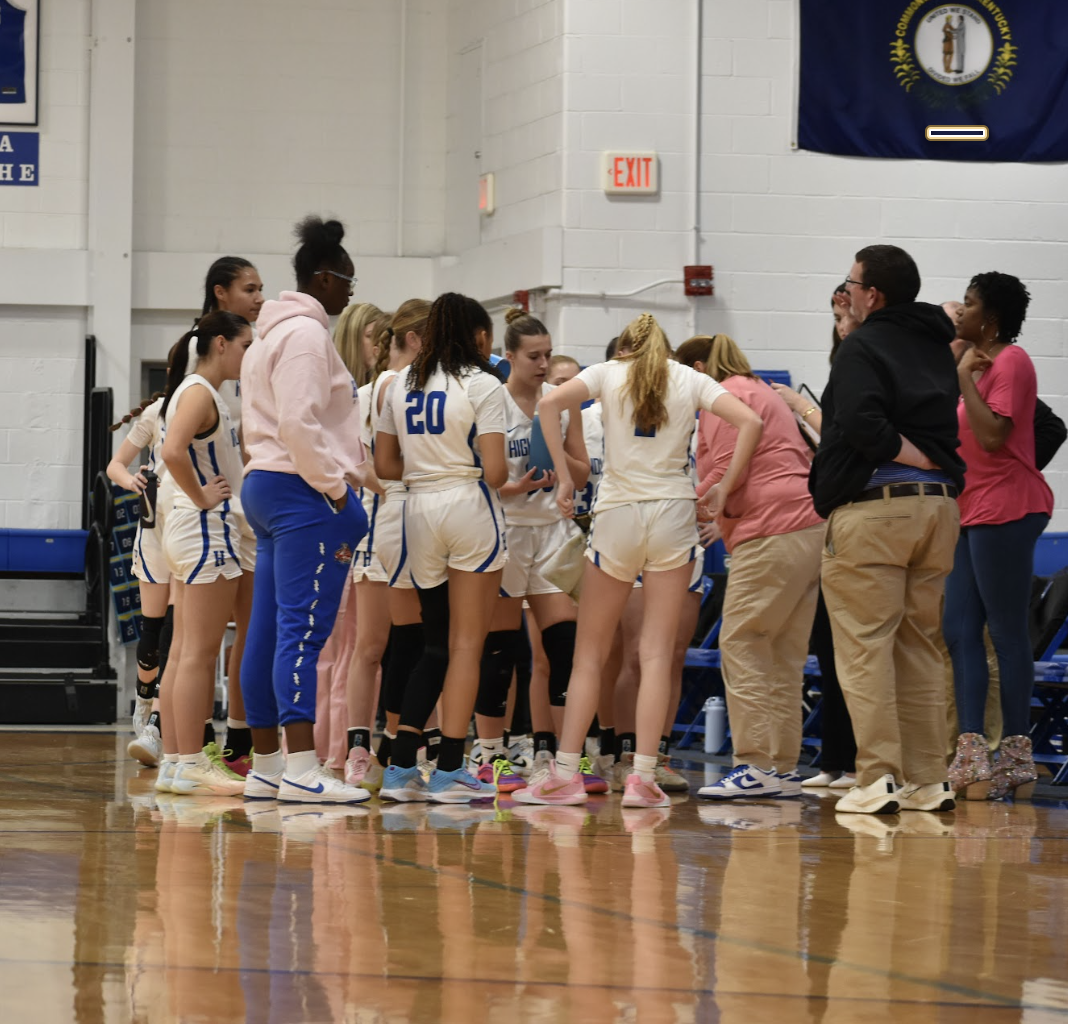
x=459, y=528
x=529, y=548
x=644, y=536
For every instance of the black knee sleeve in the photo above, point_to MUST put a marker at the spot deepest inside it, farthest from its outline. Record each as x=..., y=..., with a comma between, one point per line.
x=165, y=637
x=405, y=650
x=148, y=645
x=495, y=677
x=559, y=644
x=428, y=676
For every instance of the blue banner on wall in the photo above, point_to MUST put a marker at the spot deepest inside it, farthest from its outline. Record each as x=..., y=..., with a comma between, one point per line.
x=18, y=157
x=875, y=75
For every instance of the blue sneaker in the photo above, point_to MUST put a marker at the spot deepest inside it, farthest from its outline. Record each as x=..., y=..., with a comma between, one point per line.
x=458, y=787
x=746, y=782
x=404, y=785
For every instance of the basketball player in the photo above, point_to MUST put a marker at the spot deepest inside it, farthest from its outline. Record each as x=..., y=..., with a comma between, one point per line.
x=202, y=540
x=151, y=569
x=398, y=610
x=442, y=431
x=535, y=531
x=644, y=524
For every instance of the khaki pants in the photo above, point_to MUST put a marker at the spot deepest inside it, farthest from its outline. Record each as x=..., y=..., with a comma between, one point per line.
x=767, y=620
x=884, y=569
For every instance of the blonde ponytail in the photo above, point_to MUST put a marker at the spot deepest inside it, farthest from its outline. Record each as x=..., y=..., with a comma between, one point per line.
x=647, y=372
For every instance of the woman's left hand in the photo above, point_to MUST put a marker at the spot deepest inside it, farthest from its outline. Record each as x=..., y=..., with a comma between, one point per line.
x=711, y=504
x=973, y=361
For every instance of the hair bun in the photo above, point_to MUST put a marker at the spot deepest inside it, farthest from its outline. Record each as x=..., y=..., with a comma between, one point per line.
x=314, y=230
x=514, y=313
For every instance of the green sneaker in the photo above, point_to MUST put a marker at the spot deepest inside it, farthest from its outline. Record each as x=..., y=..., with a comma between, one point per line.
x=215, y=755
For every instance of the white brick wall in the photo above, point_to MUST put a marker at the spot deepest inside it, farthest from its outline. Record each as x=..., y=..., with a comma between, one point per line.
x=780, y=226
x=249, y=116
x=253, y=113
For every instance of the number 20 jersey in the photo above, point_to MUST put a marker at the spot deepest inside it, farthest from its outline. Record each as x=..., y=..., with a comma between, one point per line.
x=438, y=427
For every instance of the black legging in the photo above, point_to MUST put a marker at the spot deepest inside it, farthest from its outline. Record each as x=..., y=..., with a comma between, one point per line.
x=839, y=750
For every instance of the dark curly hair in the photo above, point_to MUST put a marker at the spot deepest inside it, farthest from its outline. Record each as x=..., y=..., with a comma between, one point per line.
x=449, y=340
x=1005, y=298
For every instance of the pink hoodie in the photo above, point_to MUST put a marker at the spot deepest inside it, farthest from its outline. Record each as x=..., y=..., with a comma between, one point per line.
x=299, y=408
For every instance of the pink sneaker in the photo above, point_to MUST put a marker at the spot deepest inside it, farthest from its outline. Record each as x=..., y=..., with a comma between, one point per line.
x=643, y=794
x=356, y=765
x=502, y=774
x=546, y=787
x=238, y=765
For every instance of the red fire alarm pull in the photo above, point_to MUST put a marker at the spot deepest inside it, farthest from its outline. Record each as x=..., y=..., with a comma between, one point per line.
x=698, y=280
x=522, y=300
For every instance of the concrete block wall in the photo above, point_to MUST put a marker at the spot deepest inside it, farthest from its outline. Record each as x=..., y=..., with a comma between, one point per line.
x=253, y=113
x=780, y=226
x=41, y=345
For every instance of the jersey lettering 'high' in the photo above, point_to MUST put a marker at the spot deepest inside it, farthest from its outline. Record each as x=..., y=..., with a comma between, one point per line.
x=535, y=508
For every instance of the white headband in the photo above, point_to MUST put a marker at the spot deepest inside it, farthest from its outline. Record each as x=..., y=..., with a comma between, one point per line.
x=191, y=363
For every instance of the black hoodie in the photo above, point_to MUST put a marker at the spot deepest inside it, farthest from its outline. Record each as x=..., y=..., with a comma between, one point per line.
x=894, y=374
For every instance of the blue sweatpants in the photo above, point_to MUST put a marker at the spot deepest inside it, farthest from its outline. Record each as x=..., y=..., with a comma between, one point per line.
x=304, y=552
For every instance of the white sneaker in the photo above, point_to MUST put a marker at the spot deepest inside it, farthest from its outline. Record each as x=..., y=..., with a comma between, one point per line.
x=521, y=754
x=147, y=748
x=881, y=797
x=141, y=712
x=320, y=786
x=203, y=776
x=821, y=781
x=744, y=782
x=259, y=786
x=844, y=782
x=623, y=769
x=166, y=776
x=938, y=796
x=790, y=784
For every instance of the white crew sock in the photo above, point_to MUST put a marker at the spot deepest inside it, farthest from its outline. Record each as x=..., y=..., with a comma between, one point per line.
x=493, y=748
x=567, y=765
x=645, y=767
x=268, y=764
x=300, y=763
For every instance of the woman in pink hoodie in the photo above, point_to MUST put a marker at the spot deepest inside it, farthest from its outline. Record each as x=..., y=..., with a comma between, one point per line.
x=775, y=540
x=301, y=419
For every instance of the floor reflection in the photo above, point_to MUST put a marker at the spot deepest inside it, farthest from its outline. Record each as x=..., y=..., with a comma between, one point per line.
x=120, y=905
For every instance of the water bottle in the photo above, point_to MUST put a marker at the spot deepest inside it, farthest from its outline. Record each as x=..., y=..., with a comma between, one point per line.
x=715, y=724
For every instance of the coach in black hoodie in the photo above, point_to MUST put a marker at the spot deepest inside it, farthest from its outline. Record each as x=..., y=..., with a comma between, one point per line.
x=886, y=476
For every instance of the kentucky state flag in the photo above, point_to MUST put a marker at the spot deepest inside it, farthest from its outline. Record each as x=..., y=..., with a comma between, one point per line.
x=876, y=73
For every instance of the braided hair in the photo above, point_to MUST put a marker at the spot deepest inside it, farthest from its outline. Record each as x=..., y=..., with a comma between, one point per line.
x=449, y=340
x=647, y=370
x=136, y=411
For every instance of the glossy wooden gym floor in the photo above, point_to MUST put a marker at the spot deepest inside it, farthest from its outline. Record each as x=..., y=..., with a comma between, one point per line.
x=117, y=906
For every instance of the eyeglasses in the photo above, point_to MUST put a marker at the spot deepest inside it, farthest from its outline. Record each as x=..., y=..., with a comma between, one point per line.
x=859, y=284
x=344, y=277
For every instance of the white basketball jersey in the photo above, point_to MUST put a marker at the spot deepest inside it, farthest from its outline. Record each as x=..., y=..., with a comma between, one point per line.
x=147, y=432
x=217, y=453
x=593, y=432
x=535, y=508
x=393, y=488
x=439, y=426
x=646, y=466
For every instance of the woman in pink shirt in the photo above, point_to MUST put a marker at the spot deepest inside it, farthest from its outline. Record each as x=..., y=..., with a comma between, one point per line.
x=1004, y=508
x=775, y=540
x=301, y=420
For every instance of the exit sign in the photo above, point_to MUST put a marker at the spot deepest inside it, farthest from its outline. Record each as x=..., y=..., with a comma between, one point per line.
x=630, y=172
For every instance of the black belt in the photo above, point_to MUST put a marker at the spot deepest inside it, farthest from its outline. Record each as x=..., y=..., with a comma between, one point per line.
x=907, y=491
